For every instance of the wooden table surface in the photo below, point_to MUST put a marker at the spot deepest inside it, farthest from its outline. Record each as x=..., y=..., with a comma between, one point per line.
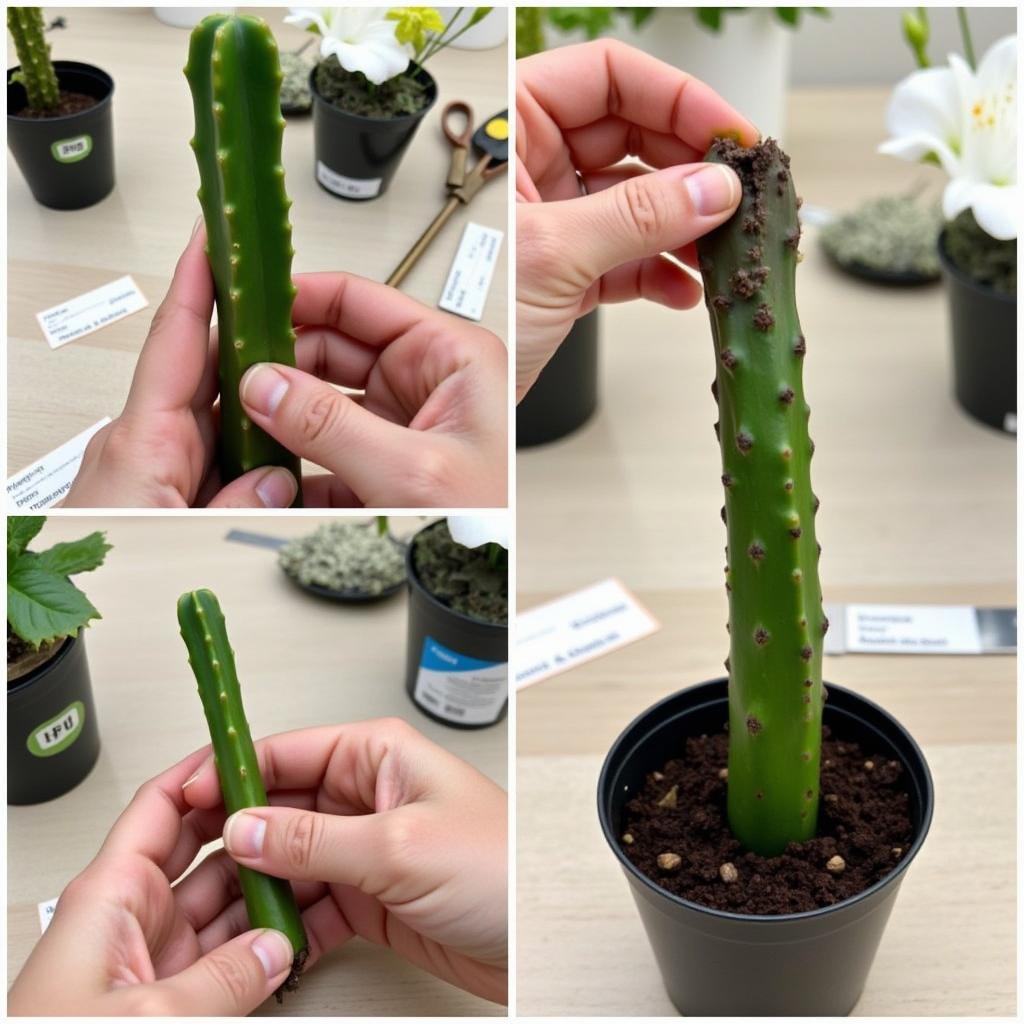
x=141, y=228
x=332, y=662
x=918, y=505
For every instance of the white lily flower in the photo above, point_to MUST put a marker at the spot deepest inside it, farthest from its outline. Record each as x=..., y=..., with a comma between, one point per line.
x=360, y=37
x=967, y=120
x=475, y=531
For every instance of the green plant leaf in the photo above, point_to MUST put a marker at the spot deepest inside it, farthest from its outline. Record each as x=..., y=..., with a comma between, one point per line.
x=478, y=15
x=67, y=558
x=42, y=607
x=710, y=17
x=638, y=15
x=788, y=15
x=592, y=20
x=20, y=531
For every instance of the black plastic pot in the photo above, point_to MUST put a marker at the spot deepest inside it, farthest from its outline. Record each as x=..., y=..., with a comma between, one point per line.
x=68, y=162
x=356, y=157
x=52, y=737
x=715, y=963
x=565, y=394
x=983, y=324
x=456, y=668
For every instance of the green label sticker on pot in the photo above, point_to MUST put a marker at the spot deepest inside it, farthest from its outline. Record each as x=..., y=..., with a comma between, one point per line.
x=58, y=733
x=70, y=151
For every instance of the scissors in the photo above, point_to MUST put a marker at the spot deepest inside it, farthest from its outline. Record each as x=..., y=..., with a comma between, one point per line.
x=491, y=140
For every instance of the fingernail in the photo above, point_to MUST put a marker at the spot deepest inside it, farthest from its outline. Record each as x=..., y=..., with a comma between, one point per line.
x=243, y=834
x=276, y=489
x=192, y=778
x=713, y=188
x=262, y=388
x=274, y=952
x=195, y=227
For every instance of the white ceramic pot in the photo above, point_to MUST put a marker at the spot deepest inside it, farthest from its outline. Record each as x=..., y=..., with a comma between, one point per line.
x=488, y=33
x=187, y=17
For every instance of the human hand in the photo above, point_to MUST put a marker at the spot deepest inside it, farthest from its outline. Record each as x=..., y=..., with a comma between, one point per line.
x=125, y=942
x=590, y=229
x=410, y=840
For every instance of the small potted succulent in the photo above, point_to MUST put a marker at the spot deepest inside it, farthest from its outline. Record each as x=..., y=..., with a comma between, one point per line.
x=370, y=88
x=964, y=118
x=52, y=737
x=457, y=648
x=764, y=826
x=59, y=123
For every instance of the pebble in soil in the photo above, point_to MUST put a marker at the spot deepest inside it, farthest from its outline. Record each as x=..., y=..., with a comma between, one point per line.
x=863, y=824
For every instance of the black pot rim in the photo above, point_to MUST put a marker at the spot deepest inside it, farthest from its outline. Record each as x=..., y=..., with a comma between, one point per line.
x=39, y=671
x=765, y=919
x=67, y=65
x=404, y=118
x=962, y=277
x=414, y=580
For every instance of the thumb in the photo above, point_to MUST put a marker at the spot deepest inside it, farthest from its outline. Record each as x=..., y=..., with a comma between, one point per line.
x=643, y=215
x=317, y=422
x=266, y=487
x=230, y=980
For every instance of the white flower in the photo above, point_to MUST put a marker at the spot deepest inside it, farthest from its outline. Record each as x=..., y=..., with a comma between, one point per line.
x=474, y=531
x=967, y=120
x=360, y=37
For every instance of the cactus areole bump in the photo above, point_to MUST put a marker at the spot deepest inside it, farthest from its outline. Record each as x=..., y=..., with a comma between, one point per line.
x=269, y=901
x=235, y=77
x=776, y=620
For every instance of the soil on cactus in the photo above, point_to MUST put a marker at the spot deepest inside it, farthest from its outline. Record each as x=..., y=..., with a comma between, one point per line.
x=235, y=77
x=269, y=901
x=468, y=580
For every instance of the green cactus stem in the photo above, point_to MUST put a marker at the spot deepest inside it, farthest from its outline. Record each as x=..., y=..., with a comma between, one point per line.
x=776, y=620
x=36, y=73
x=269, y=901
x=235, y=77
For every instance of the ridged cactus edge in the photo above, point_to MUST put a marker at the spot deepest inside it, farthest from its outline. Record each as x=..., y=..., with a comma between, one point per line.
x=36, y=72
x=234, y=74
x=776, y=620
x=269, y=901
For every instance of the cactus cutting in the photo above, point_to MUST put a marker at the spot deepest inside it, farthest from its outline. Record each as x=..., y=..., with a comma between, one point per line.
x=36, y=72
x=269, y=901
x=776, y=620
x=235, y=77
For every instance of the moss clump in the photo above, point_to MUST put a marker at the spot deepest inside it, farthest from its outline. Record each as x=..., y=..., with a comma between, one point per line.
x=461, y=578
x=295, y=95
x=352, y=92
x=986, y=260
x=344, y=557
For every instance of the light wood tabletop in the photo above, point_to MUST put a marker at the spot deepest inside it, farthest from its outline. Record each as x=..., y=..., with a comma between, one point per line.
x=303, y=661
x=142, y=227
x=918, y=506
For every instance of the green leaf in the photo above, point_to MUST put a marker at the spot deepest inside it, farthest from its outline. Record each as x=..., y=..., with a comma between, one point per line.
x=66, y=559
x=478, y=15
x=42, y=607
x=20, y=531
x=710, y=17
x=638, y=15
x=788, y=15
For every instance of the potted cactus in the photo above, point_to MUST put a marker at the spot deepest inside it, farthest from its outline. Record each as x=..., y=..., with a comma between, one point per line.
x=235, y=76
x=59, y=123
x=457, y=645
x=370, y=88
x=764, y=864
x=964, y=118
x=52, y=737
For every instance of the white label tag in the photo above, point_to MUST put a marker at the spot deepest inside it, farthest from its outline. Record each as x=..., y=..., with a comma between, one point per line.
x=576, y=628
x=354, y=188
x=89, y=312
x=459, y=688
x=469, y=280
x=45, y=482
x=70, y=151
x=46, y=911
x=912, y=629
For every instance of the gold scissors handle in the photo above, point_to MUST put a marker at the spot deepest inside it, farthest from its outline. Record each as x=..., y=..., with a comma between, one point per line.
x=461, y=142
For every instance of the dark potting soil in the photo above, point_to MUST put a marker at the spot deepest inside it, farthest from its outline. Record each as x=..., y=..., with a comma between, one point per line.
x=863, y=819
x=70, y=103
x=352, y=92
x=461, y=578
x=23, y=658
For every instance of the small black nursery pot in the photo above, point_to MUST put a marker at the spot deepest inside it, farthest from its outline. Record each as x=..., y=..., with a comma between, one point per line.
x=564, y=396
x=456, y=667
x=68, y=162
x=983, y=323
x=715, y=963
x=356, y=157
x=52, y=737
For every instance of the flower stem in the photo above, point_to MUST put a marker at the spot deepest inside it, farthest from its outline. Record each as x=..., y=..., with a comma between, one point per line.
x=965, y=34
